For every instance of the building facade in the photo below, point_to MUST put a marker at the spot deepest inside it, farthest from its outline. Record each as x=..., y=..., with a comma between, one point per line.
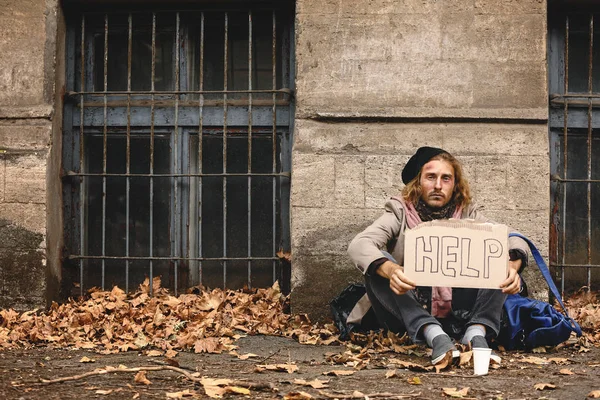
x=211, y=142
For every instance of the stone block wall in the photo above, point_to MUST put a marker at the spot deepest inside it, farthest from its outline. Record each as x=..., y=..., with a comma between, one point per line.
x=375, y=80
x=25, y=136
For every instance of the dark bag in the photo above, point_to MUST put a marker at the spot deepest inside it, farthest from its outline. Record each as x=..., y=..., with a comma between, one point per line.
x=533, y=323
x=342, y=306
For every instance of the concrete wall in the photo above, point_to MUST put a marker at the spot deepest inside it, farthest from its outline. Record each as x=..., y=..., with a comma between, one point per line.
x=376, y=80
x=26, y=95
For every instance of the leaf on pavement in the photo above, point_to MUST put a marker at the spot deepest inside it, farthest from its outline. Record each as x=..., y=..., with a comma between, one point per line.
x=212, y=387
x=390, y=373
x=237, y=390
x=415, y=380
x=445, y=363
x=566, y=371
x=85, y=359
x=594, y=394
x=559, y=360
x=535, y=360
x=154, y=353
x=171, y=353
x=215, y=382
x=247, y=356
x=544, y=386
x=315, y=384
x=140, y=377
x=409, y=365
x=465, y=358
x=289, y=368
x=181, y=395
x=297, y=396
x=454, y=392
x=208, y=345
x=339, y=372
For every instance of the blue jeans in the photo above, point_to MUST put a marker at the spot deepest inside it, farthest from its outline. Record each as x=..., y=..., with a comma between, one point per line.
x=405, y=314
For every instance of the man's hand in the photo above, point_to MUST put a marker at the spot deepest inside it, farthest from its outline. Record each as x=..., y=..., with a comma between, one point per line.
x=512, y=284
x=399, y=283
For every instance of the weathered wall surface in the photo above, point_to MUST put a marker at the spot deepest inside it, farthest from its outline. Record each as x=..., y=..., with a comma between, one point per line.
x=378, y=79
x=25, y=134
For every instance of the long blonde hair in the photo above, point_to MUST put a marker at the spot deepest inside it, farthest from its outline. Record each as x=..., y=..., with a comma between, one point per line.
x=462, y=193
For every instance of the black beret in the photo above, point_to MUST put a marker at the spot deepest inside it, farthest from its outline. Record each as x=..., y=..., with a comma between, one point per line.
x=416, y=162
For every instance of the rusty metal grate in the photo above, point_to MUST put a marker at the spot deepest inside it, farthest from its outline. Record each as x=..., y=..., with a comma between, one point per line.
x=177, y=147
x=574, y=73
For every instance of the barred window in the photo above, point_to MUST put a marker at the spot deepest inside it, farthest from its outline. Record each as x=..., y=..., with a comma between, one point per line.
x=574, y=84
x=176, y=147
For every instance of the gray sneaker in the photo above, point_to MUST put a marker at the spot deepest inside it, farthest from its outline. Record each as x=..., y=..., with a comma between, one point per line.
x=479, y=342
x=441, y=345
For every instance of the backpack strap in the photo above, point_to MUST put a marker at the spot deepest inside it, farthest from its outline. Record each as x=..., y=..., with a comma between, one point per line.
x=546, y=274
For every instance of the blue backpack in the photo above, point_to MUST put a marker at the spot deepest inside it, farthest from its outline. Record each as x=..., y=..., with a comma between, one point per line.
x=532, y=323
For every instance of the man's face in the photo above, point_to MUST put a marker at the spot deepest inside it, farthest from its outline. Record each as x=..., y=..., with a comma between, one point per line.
x=437, y=183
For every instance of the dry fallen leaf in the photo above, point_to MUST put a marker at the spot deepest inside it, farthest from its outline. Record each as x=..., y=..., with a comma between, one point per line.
x=594, y=394
x=453, y=392
x=339, y=372
x=544, y=386
x=415, y=380
x=247, y=356
x=284, y=255
x=465, y=358
x=237, y=390
x=154, y=353
x=297, y=396
x=289, y=368
x=390, y=373
x=85, y=359
x=181, y=395
x=566, y=371
x=559, y=360
x=171, y=353
x=140, y=377
x=445, y=363
x=103, y=392
x=535, y=360
x=411, y=366
x=315, y=384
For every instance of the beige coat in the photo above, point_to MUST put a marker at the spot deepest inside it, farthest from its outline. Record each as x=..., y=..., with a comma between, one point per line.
x=387, y=233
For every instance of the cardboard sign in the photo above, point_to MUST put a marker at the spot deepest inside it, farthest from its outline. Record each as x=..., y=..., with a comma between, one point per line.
x=457, y=253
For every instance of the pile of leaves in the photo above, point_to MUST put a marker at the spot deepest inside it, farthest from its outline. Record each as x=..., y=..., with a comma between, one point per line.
x=204, y=321
x=201, y=321
x=584, y=308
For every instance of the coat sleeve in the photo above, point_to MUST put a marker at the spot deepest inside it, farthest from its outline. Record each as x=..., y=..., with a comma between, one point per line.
x=514, y=243
x=366, y=247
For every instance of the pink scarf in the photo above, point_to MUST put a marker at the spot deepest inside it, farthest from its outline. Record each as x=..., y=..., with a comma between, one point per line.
x=441, y=297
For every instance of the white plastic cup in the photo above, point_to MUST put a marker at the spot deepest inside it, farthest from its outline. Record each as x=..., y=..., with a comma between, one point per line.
x=481, y=360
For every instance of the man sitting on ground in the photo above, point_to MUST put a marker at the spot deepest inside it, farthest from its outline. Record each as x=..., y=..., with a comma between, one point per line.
x=435, y=189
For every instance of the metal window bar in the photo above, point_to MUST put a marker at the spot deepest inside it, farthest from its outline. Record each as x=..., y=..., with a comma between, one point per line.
x=151, y=191
x=569, y=104
x=249, y=167
x=200, y=140
x=177, y=176
x=128, y=145
x=274, y=148
x=589, y=153
x=82, y=180
x=104, y=149
x=225, y=109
